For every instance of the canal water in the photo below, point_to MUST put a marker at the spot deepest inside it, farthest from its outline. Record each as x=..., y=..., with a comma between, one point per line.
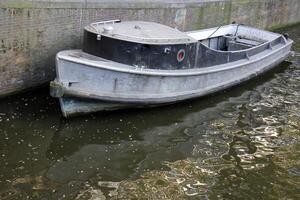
x=243, y=143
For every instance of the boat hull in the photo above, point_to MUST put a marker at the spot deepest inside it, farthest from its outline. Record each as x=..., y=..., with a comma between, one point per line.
x=89, y=87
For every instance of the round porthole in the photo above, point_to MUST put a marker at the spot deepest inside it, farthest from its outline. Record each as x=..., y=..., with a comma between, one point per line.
x=180, y=55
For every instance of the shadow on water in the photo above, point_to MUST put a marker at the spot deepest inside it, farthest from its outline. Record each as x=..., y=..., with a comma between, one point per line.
x=224, y=141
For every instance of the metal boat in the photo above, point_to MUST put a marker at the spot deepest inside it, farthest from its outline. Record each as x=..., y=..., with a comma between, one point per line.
x=138, y=64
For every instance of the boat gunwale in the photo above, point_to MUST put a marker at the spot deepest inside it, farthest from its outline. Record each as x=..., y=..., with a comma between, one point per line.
x=171, y=97
x=123, y=68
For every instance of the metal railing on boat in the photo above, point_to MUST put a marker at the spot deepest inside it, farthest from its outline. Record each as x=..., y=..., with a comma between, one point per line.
x=96, y=24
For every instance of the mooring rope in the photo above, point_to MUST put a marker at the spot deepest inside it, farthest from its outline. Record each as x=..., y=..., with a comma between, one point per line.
x=214, y=32
x=237, y=28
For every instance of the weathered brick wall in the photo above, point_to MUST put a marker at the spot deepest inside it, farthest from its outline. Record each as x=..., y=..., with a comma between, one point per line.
x=32, y=32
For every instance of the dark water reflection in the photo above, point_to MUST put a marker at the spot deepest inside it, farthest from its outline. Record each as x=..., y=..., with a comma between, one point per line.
x=241, y=143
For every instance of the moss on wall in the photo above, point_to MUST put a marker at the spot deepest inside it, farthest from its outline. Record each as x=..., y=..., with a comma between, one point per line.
x=16, y=4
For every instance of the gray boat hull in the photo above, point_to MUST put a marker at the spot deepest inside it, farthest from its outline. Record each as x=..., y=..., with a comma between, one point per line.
x=88, y=84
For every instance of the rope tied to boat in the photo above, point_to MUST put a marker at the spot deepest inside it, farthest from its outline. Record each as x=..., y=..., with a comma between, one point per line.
x=237, y=28
x=214, y=31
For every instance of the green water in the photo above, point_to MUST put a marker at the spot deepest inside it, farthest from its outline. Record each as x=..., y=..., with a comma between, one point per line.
x=243, y=143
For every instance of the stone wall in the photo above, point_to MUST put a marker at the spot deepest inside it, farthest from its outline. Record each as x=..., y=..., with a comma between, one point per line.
x=32, y=32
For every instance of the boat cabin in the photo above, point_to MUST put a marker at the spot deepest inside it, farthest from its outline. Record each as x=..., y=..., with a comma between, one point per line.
x=140, y=44
x=156, y=46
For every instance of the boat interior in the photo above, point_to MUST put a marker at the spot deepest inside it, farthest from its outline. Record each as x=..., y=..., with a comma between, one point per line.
x=232, y=43
x=233, y=37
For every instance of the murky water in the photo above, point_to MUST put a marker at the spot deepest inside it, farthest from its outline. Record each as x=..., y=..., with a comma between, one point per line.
x=243, y=143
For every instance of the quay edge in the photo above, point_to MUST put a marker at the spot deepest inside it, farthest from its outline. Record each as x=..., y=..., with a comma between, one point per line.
x=32, y=32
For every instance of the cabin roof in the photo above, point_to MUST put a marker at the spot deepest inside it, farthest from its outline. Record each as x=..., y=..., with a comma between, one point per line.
x=141, y=32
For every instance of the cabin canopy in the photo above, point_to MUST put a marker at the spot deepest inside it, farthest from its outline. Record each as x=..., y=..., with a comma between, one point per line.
x=140, y=32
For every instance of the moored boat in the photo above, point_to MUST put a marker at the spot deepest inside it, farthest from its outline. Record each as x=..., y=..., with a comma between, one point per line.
x=139, y=64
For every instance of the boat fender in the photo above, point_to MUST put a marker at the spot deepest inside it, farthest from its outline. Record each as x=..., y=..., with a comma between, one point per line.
x=180, y=55
x=56, y=89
